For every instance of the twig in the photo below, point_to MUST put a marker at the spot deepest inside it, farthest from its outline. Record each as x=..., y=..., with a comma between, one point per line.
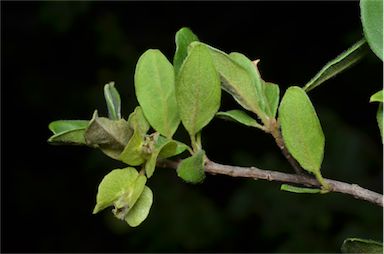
x=251, y=172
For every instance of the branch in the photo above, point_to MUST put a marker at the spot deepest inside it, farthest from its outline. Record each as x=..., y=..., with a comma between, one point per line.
x=252, y=172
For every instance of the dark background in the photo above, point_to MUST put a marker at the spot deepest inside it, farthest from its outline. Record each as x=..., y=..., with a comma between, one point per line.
x=56, y=58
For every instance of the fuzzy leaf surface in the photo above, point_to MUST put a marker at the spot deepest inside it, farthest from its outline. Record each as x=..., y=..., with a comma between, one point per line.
x=191, y=169
x=183, y=38
x=140, y=210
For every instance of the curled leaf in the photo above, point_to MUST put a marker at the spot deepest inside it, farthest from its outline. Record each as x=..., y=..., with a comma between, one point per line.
x=183, y=38
x=112, y=98
x=377, y=97
x=240, y=117
x=296, y=189
x=68, y=132
x=140, y=210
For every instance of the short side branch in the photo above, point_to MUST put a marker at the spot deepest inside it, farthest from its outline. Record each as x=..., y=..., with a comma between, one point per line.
x=251, y=172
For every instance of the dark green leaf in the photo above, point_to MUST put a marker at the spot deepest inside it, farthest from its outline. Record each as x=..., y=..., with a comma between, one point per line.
x=342, y=62
x=198, y=90
x=115, y=184
x=140, y=210
x=191, y=169
x=111, y=136
x=356, y=245
x=301, y=130
x=377, y=97
x=296, y=189
x=372, y=20
x=183, y=38
x=240, y=117
x=112, y=99
x=155, y=91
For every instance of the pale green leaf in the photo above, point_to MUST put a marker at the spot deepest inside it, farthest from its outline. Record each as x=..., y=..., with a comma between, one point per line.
x=132, y=153
x=113, y=101
x=235, y=80
x=191, y=169
x=272, y=96
x=172, y=148
x=372, y=20
x=111, y=136
x=301, y=130
x=377, y=97
x=60, y=126
x=296, y=189
x=339, y=64
x=197, y=90
x=128, y=199
x=155, y=91
x=140, y=210
x=72, y=137
x=137, y=121
x=150, y=164
x=357, y=245
x=240, y=117
x=114, y=184
x=183, y=38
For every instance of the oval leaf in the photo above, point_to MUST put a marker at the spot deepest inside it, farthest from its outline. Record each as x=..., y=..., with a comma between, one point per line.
x=140, y=210
x=377, y=97
x=155, y=91
x=60, y=126
x=198, y=90
x=112, y=98
x=357, y=245
x=240, y=117
x=372, y=20
x=191, y=169
x=183, y=38
x=272, y=97
x=301, y=130
x=114, y=185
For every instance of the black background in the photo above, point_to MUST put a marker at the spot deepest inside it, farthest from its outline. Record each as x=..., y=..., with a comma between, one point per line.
x=56, y=58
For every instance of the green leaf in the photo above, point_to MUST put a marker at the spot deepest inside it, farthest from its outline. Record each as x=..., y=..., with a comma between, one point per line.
x=140, y=210
x=339, y=64
x=197, y=90
x=191, y=169
x=137, y=121
x=372, y=20
x=111, y=136
x=128, y=199
x=183, y=38
x=296, y=189
x=301, y=130
x=155, y=91
x=379, y=117
x=240, y=117
x=114, y=185
x=235, y=80
x=69, y=132
x=150, y=164
x=112, y=99
x=357, y=245
x=60, y=126
x=132, y=153
x=272, y=96
x=377, y=97
x=172, y=148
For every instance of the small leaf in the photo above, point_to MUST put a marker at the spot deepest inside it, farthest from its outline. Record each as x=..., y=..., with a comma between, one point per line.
x=342, y=62
x=296, y=189
x=114, y=184
x=132, y=153
x=60, y=126
x=301, y=130
x=140, y=210
x=137, y=121
x=240, y=117
x=191, y=169
x=377, y=97
x=197, y=90
x=128, y=199
x=357, y=245
x=272, y=96
x=183, y=38
x=372, y=20
x=150, y=164
x=379, y=117
x=172, y=148
x=155, y=91
x=111, y=136
x=112, y=99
